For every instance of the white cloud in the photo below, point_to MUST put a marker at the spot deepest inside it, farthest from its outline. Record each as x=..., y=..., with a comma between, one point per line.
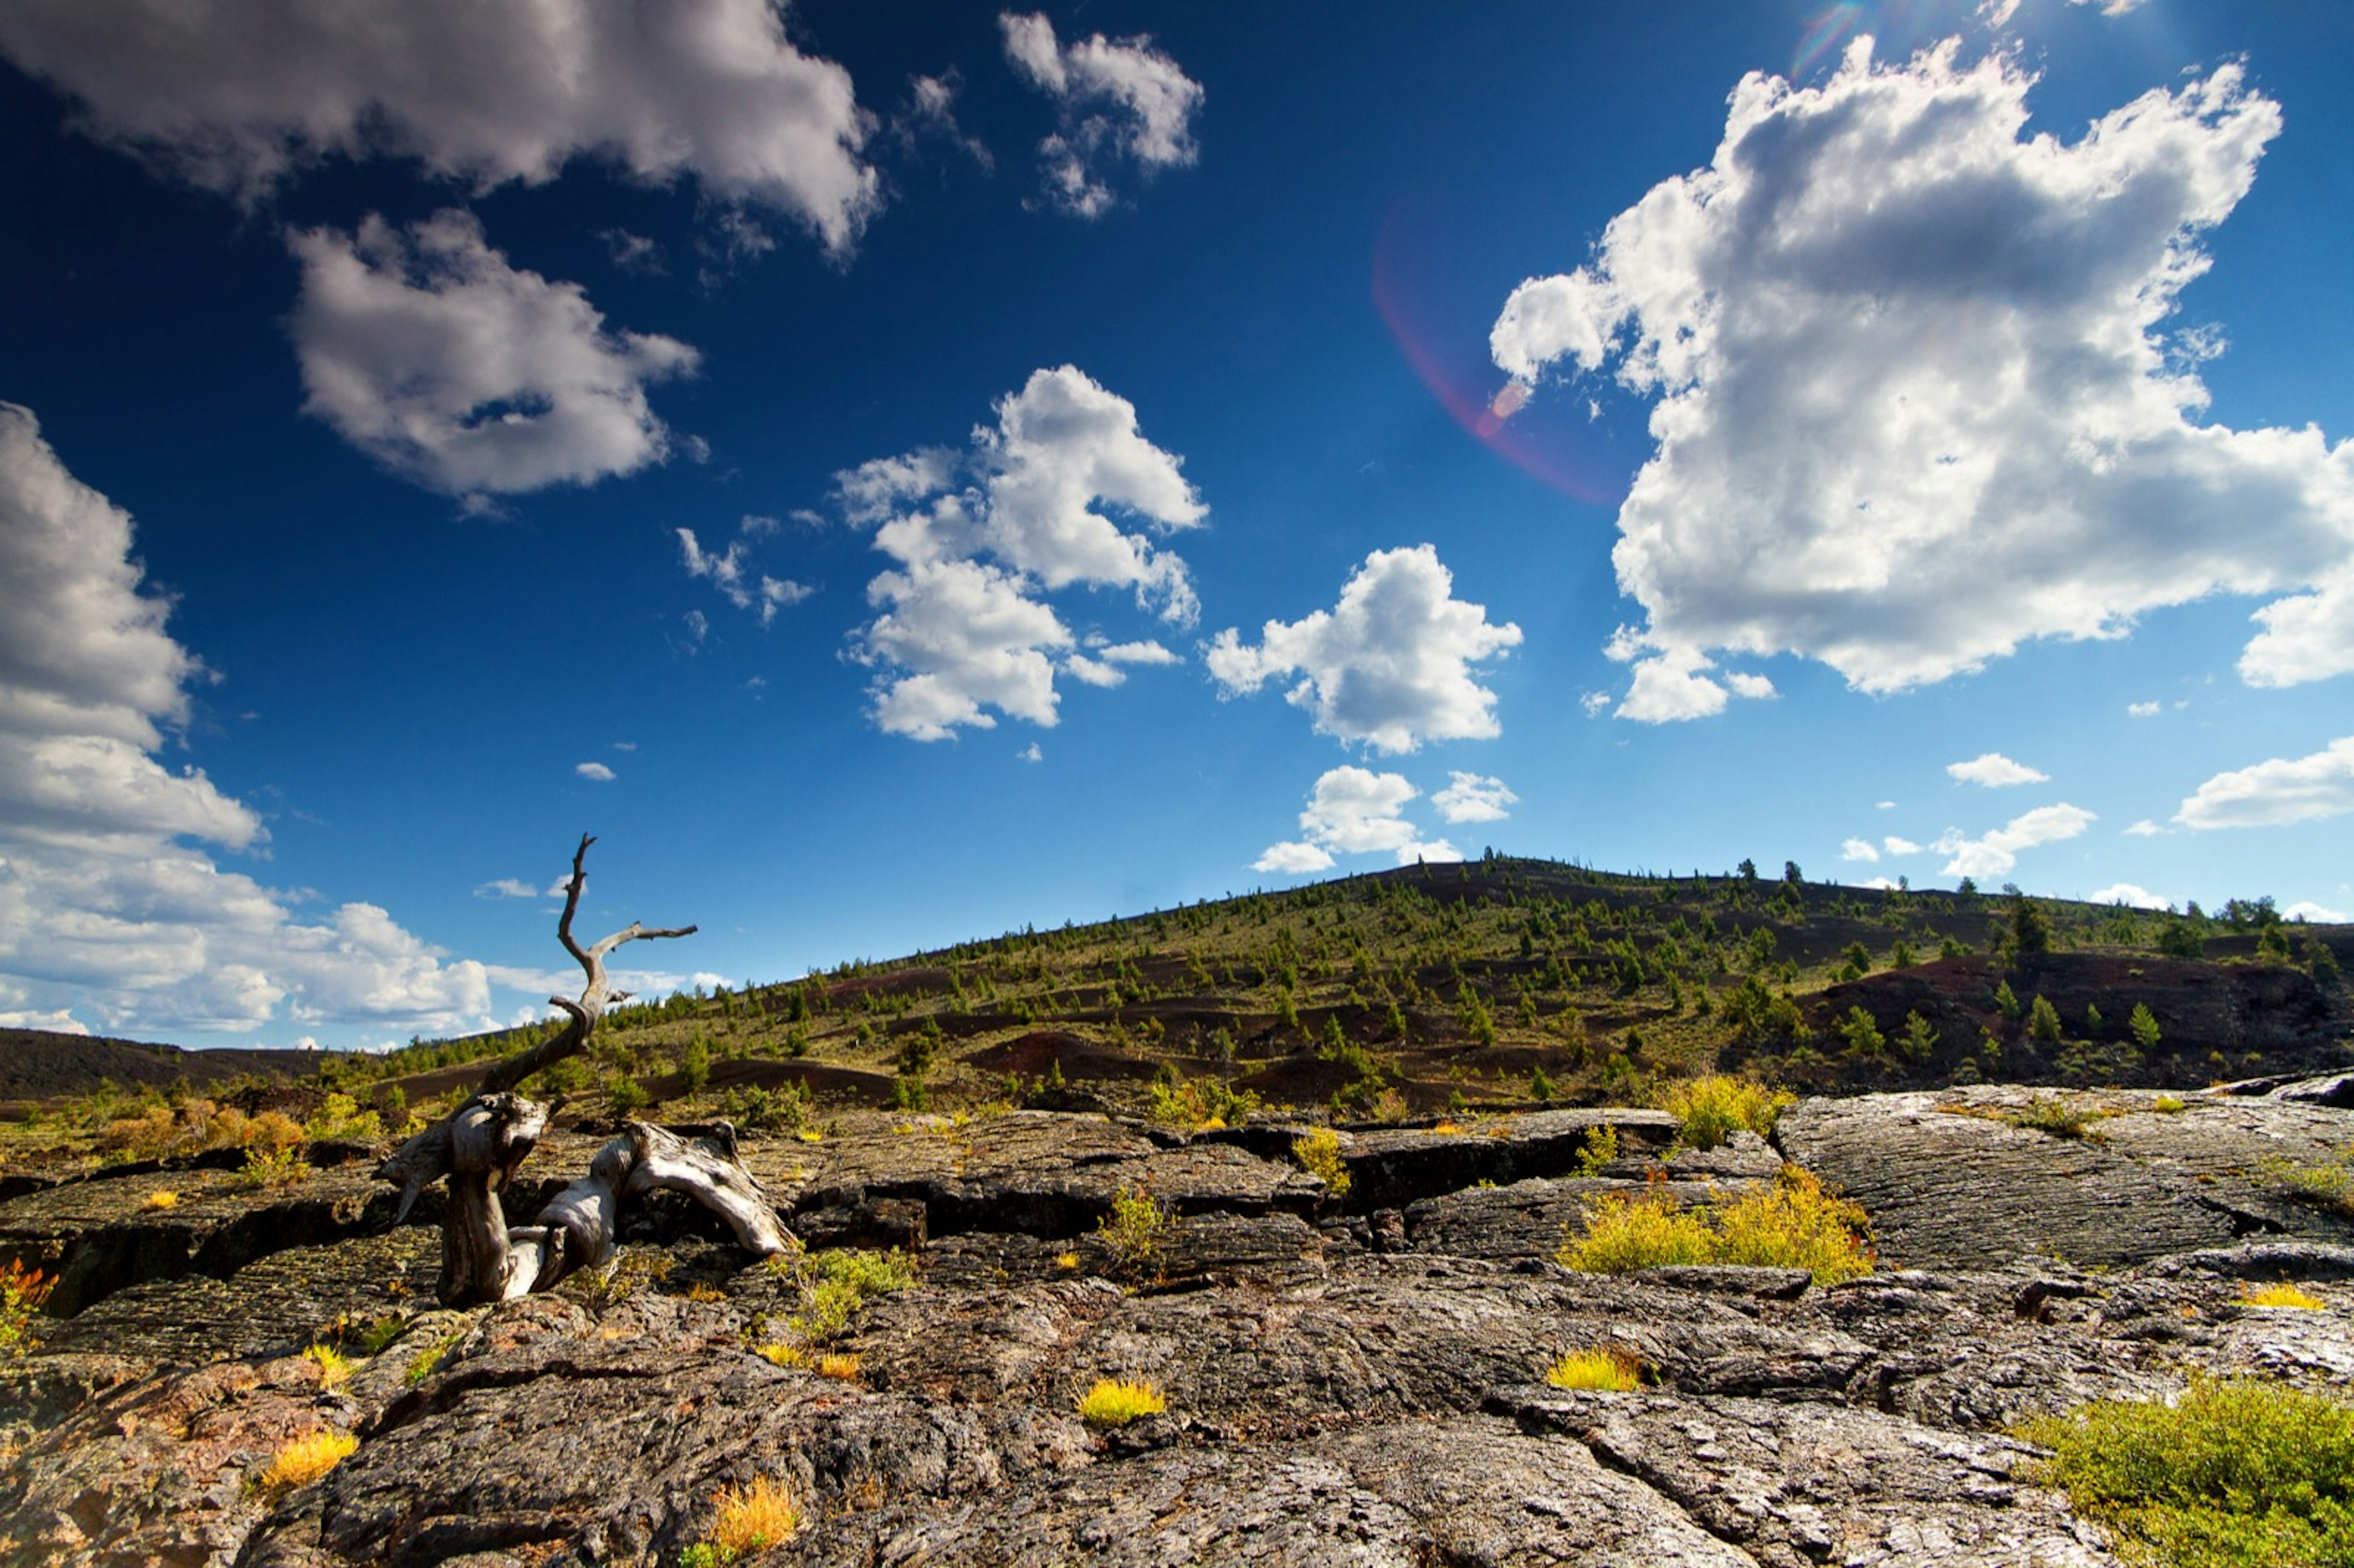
x=1915, y=400
x=727, y=571
x=958, y=638
x=1471, y=798
x=2144, y=829
x=59, y=1022
x=506, y=887
x=427, y=351
x=1994, y=853
x=1355, y=811
x=595, y=772
x=237, y=97
x=2143, y=710
x=1101, y=664
x=930, y=114
x=2285, y=789
x=1883, y=805
x=1895, y=846
x=1035, y=505
x=1993, y=771
x=2129, y=895
x=1117, y=101
x=109, y=913
x=2319, y=914
x=1389, y=665
x=1293, y=859
x=1030, y=753
x=1859, y=849
x=1670, y=688
x=1592, y=702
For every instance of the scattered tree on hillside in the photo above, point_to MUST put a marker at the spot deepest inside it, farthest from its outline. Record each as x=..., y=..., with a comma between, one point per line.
x=2031, y=929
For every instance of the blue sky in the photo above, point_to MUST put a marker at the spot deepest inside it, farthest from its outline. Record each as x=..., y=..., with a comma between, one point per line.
x=896, y=475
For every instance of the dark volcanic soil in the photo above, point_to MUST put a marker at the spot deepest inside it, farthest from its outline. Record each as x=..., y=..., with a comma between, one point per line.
x=36, y=1065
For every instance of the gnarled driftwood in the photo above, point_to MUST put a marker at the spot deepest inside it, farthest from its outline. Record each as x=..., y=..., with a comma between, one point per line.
x=475, y=1152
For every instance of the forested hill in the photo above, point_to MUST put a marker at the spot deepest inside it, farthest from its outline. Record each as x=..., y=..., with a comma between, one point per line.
x=1433, y=989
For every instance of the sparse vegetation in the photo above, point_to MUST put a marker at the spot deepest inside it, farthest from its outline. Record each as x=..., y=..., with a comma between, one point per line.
x=23, y=1292
x=2233, y=1474
x=1797, y=1222
x=1136, y=1230
x=2060, y=1116
x=1115, y=1402
x=831, y=1287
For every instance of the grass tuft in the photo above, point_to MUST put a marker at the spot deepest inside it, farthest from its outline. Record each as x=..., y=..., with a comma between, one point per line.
x=305, y=1459
x=2281, y=1295
x=1612, y=1371
x=2234, y=1475
x=334, y=1367
x=751, y=1519
x=1114, y=1402
x=1797, y=1222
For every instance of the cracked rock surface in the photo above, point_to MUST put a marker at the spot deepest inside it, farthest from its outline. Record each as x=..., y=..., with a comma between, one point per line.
x=1354, y=1381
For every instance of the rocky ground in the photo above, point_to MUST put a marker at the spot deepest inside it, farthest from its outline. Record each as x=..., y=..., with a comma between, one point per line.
x=1348, y=1382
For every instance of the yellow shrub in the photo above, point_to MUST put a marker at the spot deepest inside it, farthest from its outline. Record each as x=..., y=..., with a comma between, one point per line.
x=840, y=1366
x=161, y=1200
x=1796, y=1223
x=305, y=1459
x=1319, y=1154
x=1115, y=1403
x=2282, y=1295
x=1613, y=1372
x=1714, y=1107
x=753, y=1519
x=273, y=1131
x=783, y=1355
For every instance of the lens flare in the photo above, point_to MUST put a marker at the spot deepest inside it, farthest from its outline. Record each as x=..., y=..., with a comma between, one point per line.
x=1449, y=357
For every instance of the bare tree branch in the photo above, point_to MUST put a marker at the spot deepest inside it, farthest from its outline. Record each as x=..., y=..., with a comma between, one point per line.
x=595, y=996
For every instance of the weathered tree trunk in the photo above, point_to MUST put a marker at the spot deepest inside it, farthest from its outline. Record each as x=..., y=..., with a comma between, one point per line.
x=477, y=1148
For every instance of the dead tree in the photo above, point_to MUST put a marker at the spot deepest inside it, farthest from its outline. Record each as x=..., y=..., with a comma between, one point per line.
x=476, y=1149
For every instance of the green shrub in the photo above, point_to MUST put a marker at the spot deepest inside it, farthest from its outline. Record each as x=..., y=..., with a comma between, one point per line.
x=2234, y=1475
x=1136, y=1229
x=1601, y=1149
